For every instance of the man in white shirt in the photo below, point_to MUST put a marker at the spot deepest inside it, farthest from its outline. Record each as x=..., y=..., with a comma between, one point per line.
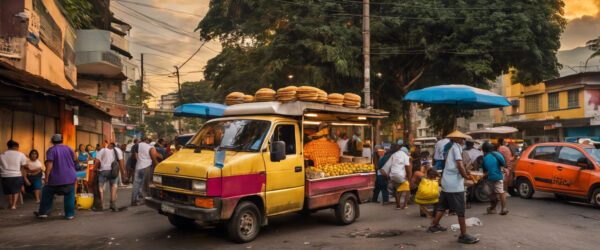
x=397, y=165
x=343, y=143
x=438, y=155
x=452, y=196
x=104, y=158
x=146, y=156
x=12, y=162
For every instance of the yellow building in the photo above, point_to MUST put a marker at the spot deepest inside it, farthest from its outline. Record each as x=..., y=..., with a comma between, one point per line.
x=554, y=110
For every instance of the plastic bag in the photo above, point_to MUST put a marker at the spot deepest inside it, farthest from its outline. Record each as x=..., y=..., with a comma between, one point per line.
x=428, y=192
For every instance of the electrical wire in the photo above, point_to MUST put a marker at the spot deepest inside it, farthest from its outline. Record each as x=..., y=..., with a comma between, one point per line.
x=160, y=8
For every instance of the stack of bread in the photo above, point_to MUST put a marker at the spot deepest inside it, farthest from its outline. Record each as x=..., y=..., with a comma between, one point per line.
x=335, y=99
x=321, y=96
x=234, y=98
x=307, y=93
x=264, y=95
x=286, y=94
x=352, y=100
x=248, y=98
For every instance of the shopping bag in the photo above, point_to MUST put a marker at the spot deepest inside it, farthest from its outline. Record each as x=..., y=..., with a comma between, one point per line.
x=428, y=192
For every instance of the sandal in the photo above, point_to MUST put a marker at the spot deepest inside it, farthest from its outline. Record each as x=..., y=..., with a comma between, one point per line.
x=505, y=212
x=490, y=210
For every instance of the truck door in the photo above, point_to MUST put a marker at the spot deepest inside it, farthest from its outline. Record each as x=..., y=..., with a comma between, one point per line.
x=567, y=176
x=285, y=179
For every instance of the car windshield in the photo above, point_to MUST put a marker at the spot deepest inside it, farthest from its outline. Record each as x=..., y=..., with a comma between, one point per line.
x=237, y=135
x=595, y=153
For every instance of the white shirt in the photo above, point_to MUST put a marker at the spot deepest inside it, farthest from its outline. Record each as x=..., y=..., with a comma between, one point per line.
x=397, y=166
x=439, y=149
x=106, y=157
x=367, y=153
x=11, y=162
x=143, y=157
x=128, y=148
x=343, y=143
x=452, y=181
x=34, y=165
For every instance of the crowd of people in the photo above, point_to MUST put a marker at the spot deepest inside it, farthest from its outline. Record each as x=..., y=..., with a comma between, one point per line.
x=21, y=174
x=441, y=184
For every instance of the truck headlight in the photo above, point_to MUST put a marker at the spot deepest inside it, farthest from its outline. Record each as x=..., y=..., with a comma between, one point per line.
x=157, y=179
x=198, y=185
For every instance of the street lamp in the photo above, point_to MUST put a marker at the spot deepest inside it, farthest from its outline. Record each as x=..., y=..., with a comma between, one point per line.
x=290, y=76
x=379, y=74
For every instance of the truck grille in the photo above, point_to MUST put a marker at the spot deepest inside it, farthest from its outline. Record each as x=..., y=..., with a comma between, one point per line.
x=177, y=182
x=172, y=196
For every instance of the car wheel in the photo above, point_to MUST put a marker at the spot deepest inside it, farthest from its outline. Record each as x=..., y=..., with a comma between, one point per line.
x=525, y=188
x=244, y=225
x=181, y=222
x=595, y=199
x=482, y=192
x=347, y=211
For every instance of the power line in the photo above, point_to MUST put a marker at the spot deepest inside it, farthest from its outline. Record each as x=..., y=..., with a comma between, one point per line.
x=418, y=6
x=160, y=8
x=156, y=22
x=193, y=54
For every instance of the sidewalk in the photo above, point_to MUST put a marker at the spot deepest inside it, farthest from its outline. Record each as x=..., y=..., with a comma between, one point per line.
x=24, y=212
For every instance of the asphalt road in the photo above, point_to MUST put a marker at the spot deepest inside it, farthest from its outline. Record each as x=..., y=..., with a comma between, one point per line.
x=539, y=223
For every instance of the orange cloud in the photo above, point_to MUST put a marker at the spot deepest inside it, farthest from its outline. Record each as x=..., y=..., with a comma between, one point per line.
x=578, y=8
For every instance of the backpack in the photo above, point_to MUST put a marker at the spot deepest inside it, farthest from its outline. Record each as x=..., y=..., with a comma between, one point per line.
x=114, y=166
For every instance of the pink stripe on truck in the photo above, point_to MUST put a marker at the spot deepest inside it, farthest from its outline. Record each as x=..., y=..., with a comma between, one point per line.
x=237, y=185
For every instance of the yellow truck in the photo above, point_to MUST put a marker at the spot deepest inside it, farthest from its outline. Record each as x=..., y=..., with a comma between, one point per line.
x=248, y=165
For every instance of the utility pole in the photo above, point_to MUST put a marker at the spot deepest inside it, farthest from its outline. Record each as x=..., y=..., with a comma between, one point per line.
x=180, y=96
x=142, y=90
x=366, y=53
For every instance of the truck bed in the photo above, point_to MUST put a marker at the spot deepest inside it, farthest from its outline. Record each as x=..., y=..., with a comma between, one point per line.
x=326, y=192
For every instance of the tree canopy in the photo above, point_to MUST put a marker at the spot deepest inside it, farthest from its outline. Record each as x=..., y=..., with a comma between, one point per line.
x=414, y=44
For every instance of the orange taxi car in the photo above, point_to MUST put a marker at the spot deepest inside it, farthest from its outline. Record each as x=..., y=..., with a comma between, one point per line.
x=566, y=169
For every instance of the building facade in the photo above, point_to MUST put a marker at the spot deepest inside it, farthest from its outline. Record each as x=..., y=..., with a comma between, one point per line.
x=38, y=78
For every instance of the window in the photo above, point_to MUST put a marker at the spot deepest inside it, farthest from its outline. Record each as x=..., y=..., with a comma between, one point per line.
x=553, y=103
x=543, y=153
x=287, y=134
x=235, y=135
x=573, y=100
x=533, y=103
x=569, y=156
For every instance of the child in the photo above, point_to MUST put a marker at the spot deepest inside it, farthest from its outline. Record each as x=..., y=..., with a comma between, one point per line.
x=428, y=192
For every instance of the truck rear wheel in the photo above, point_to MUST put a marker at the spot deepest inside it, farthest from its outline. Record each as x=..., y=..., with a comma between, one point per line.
x=181, y=222
x=347, y=210
x=245, y=223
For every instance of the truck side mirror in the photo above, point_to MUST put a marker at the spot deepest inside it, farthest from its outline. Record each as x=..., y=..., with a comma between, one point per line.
x=277, y=151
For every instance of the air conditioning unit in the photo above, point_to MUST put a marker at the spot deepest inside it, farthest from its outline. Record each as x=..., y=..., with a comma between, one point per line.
x=514, y=103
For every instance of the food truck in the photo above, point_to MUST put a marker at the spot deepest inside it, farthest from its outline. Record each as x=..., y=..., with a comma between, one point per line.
x=268, y=158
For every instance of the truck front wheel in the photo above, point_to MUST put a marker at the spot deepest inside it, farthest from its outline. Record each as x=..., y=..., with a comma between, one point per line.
x=181, y=222
x=347, y=211
x=245, y=223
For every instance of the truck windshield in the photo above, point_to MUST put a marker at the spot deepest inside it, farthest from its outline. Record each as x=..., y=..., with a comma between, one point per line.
x=237, y=135
x=595, y=153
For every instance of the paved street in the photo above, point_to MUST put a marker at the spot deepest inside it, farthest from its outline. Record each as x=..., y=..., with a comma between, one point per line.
x=540, y=223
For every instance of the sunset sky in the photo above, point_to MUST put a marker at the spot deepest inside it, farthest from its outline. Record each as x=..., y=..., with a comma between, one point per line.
x=171, y=48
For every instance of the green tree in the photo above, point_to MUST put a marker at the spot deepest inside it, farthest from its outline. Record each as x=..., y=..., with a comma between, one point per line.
x=80, y=12
x=136, y=98
x=160, y=125
x=200, y=91
x=414, y=44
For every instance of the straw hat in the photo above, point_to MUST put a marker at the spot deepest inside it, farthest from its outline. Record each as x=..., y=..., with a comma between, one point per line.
x=458, y=134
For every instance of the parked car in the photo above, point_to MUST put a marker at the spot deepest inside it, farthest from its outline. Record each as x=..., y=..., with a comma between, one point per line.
x=566, y=169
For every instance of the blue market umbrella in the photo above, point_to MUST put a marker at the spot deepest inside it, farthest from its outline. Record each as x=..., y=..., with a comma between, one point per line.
x=203, y=110
x=459, y=96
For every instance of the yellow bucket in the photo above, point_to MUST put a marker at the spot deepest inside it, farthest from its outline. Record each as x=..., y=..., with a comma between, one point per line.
x=84, y=200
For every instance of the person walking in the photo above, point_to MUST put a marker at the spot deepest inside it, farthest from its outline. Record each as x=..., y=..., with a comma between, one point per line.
x=397, y=165
x=381, y=181
x=34, y=171
x=493, y=166
x=105, y=158
x=60, y=178
x=12, y=164
x=131, y=162
x=508, y=158
x=438, y=155
x=145, y=156
x=470, y=155
x=452, y=196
